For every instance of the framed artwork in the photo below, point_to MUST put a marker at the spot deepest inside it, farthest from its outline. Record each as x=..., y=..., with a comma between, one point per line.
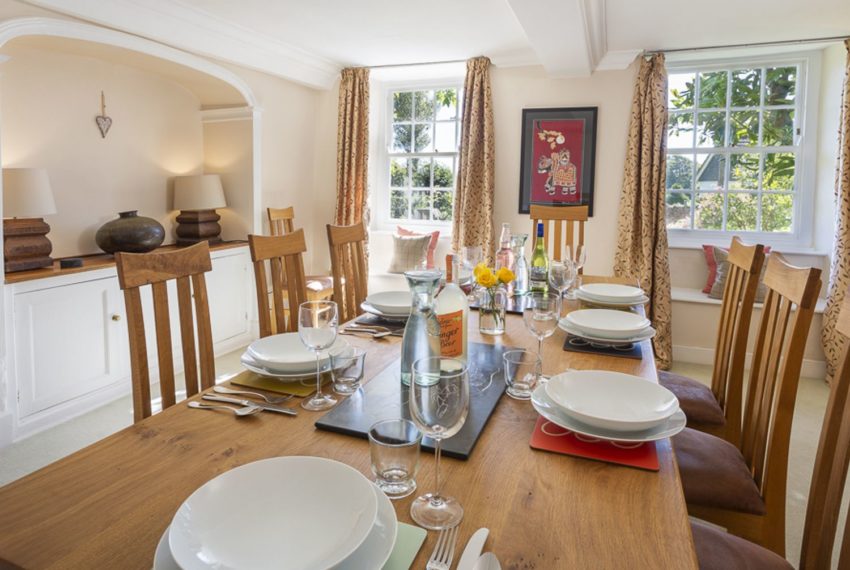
x=558, y=157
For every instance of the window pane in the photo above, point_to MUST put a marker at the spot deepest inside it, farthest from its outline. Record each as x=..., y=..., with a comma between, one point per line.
x=680, y=130
x=742, y=212
x=421, y=172
x=398, y=172
x=424, y=105
x=401, y=138
x=744, y=172
x=398, y=205
x=744, y=128
x=780, y=86
x=711, y=129
x=446, y=101
x=779, y=169
x=678, y=211
x=708, y=214
x=420, y=205
x=425, y=137
x=444, y=137
x=776, y=212
x=680, y=94
x=746, y=88
x=444, y=176
x=443, y=205
x=778, y=128
x=711, y=172
x=712, y=89
x=680, y=171
x=402, y=106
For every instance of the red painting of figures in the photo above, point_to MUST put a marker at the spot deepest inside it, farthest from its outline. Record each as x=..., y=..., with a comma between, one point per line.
x=557, y=165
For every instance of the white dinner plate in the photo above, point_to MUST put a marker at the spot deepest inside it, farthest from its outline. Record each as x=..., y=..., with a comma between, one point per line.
x=371, y=555
x=587, y=298
x=249, y=517
x=369, y=308
x=612, y=292
x=306, y=378
x=287, y=354
x=612, y=400
x=396, y=303
x=552, y=412
x=608, y=323
x=575, y=331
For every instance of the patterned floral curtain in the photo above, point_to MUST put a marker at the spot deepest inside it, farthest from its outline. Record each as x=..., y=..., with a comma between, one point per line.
x=352, y=148
x=474, y=191
x=642, y=228
x=839, y=270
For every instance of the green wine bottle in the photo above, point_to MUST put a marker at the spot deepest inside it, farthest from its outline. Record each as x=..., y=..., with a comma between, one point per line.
x=539, y=272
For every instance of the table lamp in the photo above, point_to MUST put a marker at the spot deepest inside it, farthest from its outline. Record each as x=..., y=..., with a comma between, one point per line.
x=26, y=198
x=197, y=197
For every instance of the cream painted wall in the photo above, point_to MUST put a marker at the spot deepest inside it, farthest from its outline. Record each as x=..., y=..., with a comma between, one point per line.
x=49, y=101
x=229, y=152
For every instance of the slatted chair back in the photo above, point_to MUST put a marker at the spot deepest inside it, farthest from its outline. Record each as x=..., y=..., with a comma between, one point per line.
x=284, y=255
x=778, y=355
x=567, y=229
x=830, y=472
x=736, y=310
x=187, y=267
x=348, y=267
x=281, y=220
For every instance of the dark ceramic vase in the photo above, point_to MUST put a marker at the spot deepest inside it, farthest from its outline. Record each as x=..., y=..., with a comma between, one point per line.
x=130, y=233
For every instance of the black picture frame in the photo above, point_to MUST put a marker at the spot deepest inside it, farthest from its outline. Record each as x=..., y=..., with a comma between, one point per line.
x=529, y=166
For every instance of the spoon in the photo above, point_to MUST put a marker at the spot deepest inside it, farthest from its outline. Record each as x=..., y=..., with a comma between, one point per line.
x=239, y=412
x=268, y=399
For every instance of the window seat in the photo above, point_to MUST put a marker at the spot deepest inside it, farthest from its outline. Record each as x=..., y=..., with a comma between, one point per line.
x=688, y=295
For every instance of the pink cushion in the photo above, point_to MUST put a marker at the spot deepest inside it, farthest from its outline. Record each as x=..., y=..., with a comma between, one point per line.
x=432, y=246
x=708, y=250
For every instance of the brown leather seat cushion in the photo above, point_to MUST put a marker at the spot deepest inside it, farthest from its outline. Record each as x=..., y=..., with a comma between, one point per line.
x=718, y=550
x=695, y=399
x=319, y=283
x=714, y=473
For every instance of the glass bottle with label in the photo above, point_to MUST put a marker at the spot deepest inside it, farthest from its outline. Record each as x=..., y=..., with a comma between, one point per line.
x=422, y=331
x=520, y=266
x=452, y=310
x=505, y=255
x=539, y=271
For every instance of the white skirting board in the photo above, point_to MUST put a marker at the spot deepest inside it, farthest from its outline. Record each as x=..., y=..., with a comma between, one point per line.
x=700, y=355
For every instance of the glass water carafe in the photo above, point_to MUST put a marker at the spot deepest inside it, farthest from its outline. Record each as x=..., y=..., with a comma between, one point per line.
x=422, y=331
x=520, y=266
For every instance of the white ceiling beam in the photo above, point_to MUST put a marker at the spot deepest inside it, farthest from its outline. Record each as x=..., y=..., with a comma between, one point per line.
x=197, y=31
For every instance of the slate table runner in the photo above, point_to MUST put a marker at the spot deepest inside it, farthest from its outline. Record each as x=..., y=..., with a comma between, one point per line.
x=577, y=344
x=516, y=304
x=369, y=319
x=384, y=397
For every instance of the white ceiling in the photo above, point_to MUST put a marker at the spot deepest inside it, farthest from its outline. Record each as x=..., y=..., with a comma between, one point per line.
x=310, y=40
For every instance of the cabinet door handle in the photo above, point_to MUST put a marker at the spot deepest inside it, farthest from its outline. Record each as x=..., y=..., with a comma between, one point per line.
x=116, y=318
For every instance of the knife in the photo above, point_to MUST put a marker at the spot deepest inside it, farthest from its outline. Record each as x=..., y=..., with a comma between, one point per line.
x=268, y=407
x=473, y=549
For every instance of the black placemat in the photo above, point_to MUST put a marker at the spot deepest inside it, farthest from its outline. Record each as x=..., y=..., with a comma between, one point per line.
x=578, y=344
x=384, y=397
x=374, y=320
x=515, y=305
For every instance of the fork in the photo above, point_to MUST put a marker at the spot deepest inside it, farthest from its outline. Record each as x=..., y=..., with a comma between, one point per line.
x=239, y=412
x=444, y=551
x=268, y=399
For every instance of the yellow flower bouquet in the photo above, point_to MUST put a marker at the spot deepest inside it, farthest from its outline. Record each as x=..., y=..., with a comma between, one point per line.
x=493, y=300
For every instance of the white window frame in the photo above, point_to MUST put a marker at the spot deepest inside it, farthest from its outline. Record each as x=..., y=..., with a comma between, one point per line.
x=801, y=238
x=381, y=221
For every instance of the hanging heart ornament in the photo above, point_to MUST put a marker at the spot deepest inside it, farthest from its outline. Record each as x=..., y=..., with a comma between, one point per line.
x=103, y=123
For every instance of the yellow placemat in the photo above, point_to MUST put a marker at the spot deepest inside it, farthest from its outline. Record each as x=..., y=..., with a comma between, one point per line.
x=300, y=388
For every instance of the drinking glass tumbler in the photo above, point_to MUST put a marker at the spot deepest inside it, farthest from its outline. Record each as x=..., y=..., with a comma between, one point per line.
x=394, y=446
x=347, y=368
x=522, y=370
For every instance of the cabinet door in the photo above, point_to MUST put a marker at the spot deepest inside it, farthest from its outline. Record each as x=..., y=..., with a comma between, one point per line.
x=67, y=343
x=229, y=290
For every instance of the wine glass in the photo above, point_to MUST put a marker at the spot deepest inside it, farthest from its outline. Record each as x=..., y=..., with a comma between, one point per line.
x=470, y=257
x=578, y=256
x=439, y=404
x=541, y=314
x=317, y=327
x=562, y=274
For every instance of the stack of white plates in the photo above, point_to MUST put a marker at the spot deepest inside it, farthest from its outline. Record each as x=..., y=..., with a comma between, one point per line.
x=284, y=512
x=607, y=326
x=390, y=305
x=285, y=356
x=612, y=294
x=609, y=405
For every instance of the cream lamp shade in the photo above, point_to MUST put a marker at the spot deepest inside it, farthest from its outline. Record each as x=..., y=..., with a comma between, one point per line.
x=199, y=192
x=27, y=193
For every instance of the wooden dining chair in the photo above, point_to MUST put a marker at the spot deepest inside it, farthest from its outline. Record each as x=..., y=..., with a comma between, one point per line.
x=282, y=222
x=348, y=266
x=717, y=410
x=187, y=267
x=567, y=227
x=742, y=488
x=718, y=550
x=284, y=257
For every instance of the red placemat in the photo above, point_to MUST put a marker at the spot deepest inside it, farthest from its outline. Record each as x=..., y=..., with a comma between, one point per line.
x=550, y=437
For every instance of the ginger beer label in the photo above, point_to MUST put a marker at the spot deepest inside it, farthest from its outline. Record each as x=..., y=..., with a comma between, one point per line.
x=451, y=333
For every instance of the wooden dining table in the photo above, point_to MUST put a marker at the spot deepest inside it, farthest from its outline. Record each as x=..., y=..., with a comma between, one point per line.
x=107, y=505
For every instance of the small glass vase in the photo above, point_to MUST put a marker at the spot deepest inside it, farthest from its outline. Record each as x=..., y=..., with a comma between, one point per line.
x=492, y=304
